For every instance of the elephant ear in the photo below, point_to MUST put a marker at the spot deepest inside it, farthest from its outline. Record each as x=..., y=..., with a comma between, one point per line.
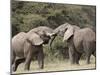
x=35, y=39
x=68, y=33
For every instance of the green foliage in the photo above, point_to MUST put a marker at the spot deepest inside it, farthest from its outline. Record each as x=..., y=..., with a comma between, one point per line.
x=59, y=50
x=28, y=15
x=31, y=21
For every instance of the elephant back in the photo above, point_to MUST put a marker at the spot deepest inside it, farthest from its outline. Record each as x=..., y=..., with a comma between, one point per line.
x=41, y=29
x=19, y=37
x=91, y=36
x=76, y=28
x=18, y=43
x=86, y=34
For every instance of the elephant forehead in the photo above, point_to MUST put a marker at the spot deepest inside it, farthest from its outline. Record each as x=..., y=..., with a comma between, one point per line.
x=41, y=29
x=76, y=27
x=61, y=27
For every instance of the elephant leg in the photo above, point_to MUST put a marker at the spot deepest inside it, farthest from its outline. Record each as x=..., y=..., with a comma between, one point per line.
x=78, y=55
x=88, y=55
x=88, y=58
x=41, y=59
x=51, y=41
x=28, y=61
x=71, y=55
x=17, y=62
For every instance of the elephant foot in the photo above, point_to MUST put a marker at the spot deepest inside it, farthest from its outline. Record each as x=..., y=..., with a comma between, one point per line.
x=72, y=64
x=88, y=62
x=41, y=67
x=77, y=64
x=26, y=69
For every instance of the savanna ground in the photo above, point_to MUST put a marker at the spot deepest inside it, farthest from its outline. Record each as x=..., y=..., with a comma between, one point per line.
x=57, y=65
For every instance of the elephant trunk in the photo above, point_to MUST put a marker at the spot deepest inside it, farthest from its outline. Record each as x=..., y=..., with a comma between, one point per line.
x=51, y=41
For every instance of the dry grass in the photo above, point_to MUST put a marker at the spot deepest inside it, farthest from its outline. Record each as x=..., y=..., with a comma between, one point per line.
x=57, y=66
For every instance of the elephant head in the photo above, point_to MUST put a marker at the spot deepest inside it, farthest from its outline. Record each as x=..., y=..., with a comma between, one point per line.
x=69, y=32
x=36, y=38
x=62, y=29
x=43, y=31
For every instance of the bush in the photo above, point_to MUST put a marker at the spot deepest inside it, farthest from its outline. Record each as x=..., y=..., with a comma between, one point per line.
x=59, y=50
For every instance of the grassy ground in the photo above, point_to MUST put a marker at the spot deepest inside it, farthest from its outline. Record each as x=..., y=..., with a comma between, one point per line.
x=57, y=66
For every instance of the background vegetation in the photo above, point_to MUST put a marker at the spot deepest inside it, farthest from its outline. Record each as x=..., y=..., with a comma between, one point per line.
x=28, y=15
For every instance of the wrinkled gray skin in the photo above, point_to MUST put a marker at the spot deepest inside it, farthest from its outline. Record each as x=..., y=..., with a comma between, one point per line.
x=79, y=41
x=26, y=45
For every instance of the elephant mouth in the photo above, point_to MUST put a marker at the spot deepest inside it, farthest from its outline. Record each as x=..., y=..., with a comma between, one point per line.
x=47, y=40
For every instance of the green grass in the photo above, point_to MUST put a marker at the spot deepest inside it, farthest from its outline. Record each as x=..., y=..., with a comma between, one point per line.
x=57, y=66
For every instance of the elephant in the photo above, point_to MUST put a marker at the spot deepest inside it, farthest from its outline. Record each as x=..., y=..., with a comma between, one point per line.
x=46, y=30
x=59, y=31
x=26, y=45
x=79, y=42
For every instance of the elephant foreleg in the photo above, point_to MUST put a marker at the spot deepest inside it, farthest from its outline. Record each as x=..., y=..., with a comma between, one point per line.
x=41, y=59
x=71, y=55
x=77, y=57
x=51, y=41
x=88, y=58
x=28, y=61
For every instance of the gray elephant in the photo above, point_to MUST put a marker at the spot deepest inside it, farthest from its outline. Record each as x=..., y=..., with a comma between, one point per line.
x=79, y=41
x=26, y=45
x=59, y=31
